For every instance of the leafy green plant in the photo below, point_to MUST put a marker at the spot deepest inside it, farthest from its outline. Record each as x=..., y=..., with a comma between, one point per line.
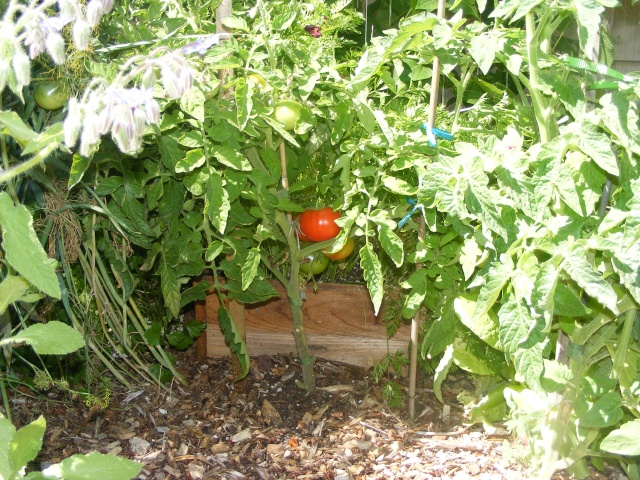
x=19, y=447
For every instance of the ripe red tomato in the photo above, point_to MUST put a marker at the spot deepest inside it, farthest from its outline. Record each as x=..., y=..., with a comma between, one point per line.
x=319, y=225
x=344, y=252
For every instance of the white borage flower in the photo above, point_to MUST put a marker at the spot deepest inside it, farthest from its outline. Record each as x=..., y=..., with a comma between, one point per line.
x=4, y=73
x=56, y=48
x=34, y=38
x=90, y=136
x=81, y=34
x=152, y=110
x=170, y=82
x=149, y=78
x=107, y=5
x=69, y=8
x=72, y=123
x=94, y=12
x=139, y=121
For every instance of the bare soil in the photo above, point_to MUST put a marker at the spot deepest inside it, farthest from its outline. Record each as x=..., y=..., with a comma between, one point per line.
x=266, y=427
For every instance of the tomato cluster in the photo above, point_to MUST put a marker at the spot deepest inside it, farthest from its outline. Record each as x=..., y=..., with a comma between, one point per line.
x=318, y=226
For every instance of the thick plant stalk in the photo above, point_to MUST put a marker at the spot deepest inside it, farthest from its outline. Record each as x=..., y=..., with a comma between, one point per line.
x=415, y=321
x=292, y=288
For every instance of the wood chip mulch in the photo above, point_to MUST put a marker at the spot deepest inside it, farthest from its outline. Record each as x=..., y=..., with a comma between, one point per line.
x=266, y=428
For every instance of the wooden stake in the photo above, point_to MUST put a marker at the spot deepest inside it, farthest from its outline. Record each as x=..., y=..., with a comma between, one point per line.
x=416, y=320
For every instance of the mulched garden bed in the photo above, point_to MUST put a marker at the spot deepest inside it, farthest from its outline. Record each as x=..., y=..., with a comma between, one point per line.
x=267, y=428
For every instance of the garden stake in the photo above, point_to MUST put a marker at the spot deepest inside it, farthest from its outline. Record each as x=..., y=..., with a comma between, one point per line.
x=415, y=321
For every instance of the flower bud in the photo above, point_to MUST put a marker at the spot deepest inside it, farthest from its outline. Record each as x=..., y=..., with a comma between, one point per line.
x=72, y=123
x=120, y=136
x=152, y=109
x=56, y=48
x=81, y=34
x=21, y=67
x=149, y=78
x=139, y=121
x=4, y=73
x=107, y=5
x=170, y=83
x=94, y=11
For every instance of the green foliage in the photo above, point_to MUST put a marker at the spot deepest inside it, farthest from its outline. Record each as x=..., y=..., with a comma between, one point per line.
x=19, y=447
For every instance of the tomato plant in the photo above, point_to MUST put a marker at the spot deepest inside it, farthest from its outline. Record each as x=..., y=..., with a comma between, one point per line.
x=258, y=80
x=50, y=95
x=288, y=112
x=344, y=252
x=319, y=225
x=314, y=263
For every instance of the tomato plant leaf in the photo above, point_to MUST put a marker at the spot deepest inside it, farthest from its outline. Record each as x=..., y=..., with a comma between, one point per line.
x=529, y=363
x=587, y=13
x=283, y=21
x=372, y=268
x=170, y=288
x=22, y=249
x=604, y=412
x=575, y=264
x=234, y=338
x=441, y=372
x=495, y=279
x=231, y=158
x=342, y=121
x=621, y=119
x=365, y=115
x=250, y=267
x=192, y=160
x=399, y=186
x=597, y=145
x=483, y=49
x=244, y=103
x=515, y=324
x=217, y=202
x=392, y=245
x=79, y=165
x=192, y=102
x=170, y=151
x=417, y=281
x=624, y=440
x=484, y=326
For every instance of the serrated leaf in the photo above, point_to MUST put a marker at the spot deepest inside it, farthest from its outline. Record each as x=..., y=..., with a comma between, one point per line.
x=52, y=338
x=170, y=288
x=250, y=267
x=495, y=279
x=79, y=165
x=192, y=160
x=413, y=300
x=372, y=268
x=244, y=104
x=153, y=334
x=515, y=324
x=483, y=50
x=604, y=412
x=399, y=186
x=216, y=204
x=624, y=440
x=193, y=102
x=283, y=21
x=234, y=338
x=529, y=363
x=232, y=158
x=470, y=253
x=213, y=250
x=23, y=250
x=441, y=372
x=598, y=146
x=484, y=326
x=392, y=245
x=580, y=270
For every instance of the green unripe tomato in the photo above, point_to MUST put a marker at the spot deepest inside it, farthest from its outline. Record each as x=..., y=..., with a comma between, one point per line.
x=288, y=113
x=314, y=263
x=50, y=95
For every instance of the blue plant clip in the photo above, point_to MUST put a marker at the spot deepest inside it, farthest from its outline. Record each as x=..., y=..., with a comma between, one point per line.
x=406, y=218
x=432, y=133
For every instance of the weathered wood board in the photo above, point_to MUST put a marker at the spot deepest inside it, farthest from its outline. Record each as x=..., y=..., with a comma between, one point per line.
x=339, y=322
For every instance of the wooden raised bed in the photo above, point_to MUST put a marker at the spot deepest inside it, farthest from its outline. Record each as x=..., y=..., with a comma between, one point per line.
x=338, y=318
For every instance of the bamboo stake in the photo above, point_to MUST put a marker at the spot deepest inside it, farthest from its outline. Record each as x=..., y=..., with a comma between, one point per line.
x=416, y=320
